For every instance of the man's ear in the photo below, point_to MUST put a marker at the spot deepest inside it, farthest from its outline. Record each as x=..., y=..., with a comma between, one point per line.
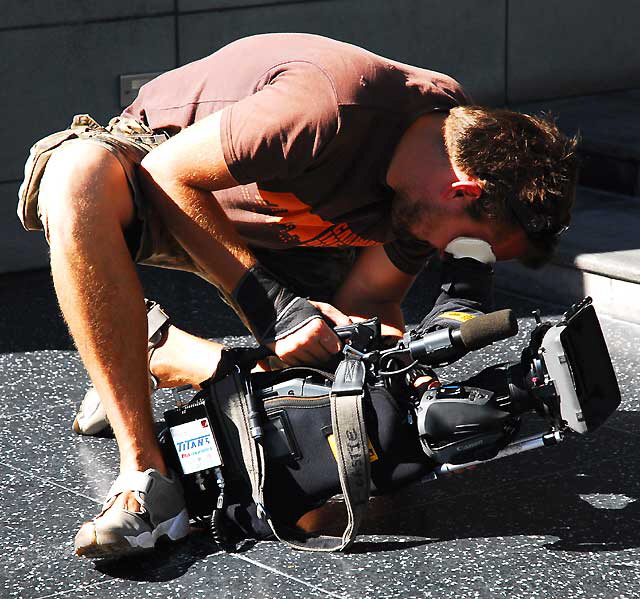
x=468, y=189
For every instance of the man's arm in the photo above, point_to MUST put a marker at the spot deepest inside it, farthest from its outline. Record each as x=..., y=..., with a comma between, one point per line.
x=375, y=287
x=466, y=291
x=178, y=177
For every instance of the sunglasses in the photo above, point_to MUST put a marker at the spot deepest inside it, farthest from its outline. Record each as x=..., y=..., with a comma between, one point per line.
x=537, y=226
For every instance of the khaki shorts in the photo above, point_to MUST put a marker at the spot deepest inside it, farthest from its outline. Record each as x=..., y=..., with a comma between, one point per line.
x=311, y=272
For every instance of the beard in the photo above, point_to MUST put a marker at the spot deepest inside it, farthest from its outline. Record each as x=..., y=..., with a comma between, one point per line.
x=410, y=216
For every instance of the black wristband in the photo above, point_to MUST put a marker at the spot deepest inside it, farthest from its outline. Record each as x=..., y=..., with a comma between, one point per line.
x=272, y=310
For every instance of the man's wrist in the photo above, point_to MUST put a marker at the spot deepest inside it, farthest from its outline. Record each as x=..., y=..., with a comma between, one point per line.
x=272, y=310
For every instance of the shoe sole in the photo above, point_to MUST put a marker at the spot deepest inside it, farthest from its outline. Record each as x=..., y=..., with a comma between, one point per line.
x=175, y=528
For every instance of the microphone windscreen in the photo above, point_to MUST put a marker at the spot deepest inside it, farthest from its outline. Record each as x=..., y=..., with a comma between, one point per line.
x=487, y=328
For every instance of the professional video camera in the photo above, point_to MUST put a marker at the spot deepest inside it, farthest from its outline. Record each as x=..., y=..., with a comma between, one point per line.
x=287, y=424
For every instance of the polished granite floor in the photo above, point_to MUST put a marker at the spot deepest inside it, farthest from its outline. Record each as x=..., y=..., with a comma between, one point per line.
x=562, y=523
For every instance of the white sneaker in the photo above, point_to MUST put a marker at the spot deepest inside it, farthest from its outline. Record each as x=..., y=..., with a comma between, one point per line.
x=117, y=531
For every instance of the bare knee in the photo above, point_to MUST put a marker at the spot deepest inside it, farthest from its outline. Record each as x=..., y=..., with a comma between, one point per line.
x=84, y=185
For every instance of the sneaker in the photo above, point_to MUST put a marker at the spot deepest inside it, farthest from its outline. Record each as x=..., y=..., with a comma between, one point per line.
x=116, y=531
x=91, y=418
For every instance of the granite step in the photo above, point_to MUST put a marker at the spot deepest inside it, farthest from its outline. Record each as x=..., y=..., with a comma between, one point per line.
x=599, y=256
x=609, y=127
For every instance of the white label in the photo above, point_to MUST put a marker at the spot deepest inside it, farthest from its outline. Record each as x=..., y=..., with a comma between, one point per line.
x=195, y=445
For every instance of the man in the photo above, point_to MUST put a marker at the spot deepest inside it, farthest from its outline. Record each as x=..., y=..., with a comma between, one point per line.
x=296, y=166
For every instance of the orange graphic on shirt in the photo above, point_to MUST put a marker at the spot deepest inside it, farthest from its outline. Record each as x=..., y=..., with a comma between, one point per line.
x=301, y=227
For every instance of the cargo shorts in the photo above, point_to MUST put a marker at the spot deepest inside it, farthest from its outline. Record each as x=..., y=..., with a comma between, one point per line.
x=309, y=272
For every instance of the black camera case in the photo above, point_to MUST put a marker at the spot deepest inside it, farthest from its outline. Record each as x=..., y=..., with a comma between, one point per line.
x=298, y=442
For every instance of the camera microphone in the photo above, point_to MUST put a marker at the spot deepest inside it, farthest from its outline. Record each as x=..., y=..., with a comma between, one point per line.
x=447, y=345
x=487, y=328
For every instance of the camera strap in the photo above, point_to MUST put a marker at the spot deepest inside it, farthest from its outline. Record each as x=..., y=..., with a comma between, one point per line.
x=352, y=457
x=352, y=454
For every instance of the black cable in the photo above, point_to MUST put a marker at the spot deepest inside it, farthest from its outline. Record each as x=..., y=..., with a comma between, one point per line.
x=218, y=525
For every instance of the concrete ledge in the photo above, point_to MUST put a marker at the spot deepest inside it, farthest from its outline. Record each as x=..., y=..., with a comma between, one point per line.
x=563, y=285
x=603, y=238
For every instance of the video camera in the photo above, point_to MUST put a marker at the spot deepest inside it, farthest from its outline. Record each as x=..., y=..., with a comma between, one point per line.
x=564, y=375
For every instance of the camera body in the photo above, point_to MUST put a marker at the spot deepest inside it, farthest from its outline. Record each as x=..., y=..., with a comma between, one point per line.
x=564, y=374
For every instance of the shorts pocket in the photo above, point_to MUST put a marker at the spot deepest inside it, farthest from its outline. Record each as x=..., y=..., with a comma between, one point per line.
x=33, y=170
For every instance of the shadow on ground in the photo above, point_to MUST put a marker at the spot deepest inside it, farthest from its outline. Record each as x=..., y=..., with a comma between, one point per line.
x=585, y=492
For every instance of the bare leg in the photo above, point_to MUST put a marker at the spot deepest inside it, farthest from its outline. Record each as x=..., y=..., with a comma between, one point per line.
x=88, y=203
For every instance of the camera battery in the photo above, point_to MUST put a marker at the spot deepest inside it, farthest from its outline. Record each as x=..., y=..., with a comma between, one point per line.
x=193, y=437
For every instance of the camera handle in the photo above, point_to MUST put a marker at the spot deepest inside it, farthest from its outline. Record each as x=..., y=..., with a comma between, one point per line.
x=526, y=444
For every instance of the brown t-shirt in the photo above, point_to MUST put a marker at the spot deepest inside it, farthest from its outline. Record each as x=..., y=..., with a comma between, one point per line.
x=308, y=128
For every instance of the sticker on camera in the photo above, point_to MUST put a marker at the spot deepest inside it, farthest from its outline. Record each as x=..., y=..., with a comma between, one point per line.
x=195, y=445
x=457, y=316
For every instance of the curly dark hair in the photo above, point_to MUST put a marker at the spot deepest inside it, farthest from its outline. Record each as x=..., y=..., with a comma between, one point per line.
x=526, y=167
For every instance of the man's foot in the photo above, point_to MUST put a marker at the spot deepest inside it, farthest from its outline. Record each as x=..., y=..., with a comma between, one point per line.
x=91, y=418
x=140, y=508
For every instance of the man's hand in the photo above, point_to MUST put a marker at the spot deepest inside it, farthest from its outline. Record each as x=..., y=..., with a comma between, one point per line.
x=315, y=342
x=427, y=382
x=293, y=327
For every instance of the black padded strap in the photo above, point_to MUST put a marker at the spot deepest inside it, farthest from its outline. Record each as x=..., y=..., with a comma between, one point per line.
x=247, y=457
